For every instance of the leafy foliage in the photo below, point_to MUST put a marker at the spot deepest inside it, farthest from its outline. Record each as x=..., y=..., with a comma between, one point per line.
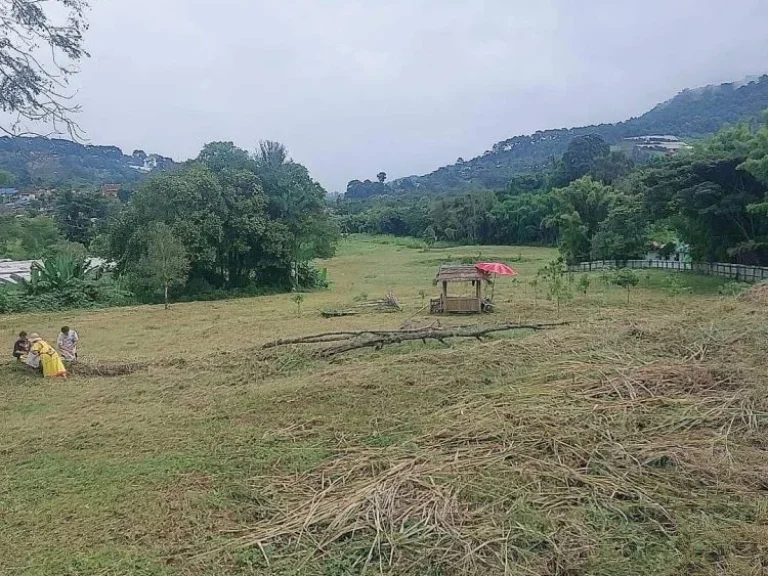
x=627, y=279
x=28, y=238
x=62, y=282
x=33, y=88
x=77, y=214
x=712, y=199
x=165, y=265
x=584, y=284
x=623, y=234
x=580, y=208
x=558, y=288
x=243, y=220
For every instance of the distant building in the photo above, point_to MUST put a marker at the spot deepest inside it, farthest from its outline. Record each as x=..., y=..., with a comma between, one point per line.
x=645, y=147
x=673, y=251
x=110, y=190
x=8, y=195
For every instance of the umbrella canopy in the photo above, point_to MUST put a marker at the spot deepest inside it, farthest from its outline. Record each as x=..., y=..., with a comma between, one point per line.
x=496, y=268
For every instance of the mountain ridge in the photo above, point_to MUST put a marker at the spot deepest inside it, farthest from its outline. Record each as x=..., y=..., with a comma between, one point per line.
x=39, y=162
x=692, y=113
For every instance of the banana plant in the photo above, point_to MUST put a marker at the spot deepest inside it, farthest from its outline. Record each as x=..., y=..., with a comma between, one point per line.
x=56, y=274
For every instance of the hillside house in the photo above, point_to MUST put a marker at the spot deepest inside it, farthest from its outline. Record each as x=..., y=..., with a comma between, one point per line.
x=8, y=195
x=110, y=190
x=672, y=251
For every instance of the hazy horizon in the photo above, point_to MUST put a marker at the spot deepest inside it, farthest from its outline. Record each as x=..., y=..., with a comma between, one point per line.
x=353, y=88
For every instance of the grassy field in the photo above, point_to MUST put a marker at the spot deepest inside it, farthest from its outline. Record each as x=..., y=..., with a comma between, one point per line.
x=631, y=441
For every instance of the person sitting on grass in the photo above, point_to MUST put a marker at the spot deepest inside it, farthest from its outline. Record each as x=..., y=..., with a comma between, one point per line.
x=21, y=347
x=44, y=355
x=67, y=343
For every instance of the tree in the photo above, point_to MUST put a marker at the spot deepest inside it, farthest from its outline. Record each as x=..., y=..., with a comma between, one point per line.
x=584, y=283
x=77, y=213
x=429, y=237
x=554, y=274
x=34, y=88
x=241, y=221
x=711, y=202
x=271, y=154
x=381, y=177
x=166, y=264
x=218, y=156
x=627, y=279
x=623, y=235
x=582, y=155
x=27, y=238
x=610, y=168
x=580, y=208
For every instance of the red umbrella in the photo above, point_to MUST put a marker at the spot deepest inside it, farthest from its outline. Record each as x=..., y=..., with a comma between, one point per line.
x=496, y=268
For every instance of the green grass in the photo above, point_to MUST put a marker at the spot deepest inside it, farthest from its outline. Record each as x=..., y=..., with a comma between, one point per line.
x=630, y=441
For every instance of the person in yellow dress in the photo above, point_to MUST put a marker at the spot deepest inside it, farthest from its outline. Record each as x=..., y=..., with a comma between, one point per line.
x=47, y=357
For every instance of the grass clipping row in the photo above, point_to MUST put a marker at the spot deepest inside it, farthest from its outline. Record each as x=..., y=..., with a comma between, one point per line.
x=638, y=472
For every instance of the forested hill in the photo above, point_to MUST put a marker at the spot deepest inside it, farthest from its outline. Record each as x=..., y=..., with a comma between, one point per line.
x=691, y=113
x=50, y=162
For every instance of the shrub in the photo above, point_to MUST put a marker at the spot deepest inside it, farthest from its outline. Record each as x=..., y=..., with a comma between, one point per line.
x=310, y=277
x=675, y=286
x=733, y=288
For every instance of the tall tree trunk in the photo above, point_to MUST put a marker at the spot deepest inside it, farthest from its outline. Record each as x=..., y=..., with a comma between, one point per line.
x=166, y=297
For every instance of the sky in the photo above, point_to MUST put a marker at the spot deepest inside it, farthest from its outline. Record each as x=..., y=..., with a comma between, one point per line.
x=355, y=87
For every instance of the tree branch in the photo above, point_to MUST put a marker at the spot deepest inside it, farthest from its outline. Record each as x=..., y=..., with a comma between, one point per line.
x=355, y=340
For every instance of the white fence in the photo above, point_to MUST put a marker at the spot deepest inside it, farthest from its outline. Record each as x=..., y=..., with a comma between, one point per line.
x=734, y=271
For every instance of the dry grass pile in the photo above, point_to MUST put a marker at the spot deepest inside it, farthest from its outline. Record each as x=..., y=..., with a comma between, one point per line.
x=757, y=294
x=596, y=471
x=105, y=369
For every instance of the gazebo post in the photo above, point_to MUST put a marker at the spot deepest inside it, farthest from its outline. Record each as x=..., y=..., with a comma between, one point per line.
x=445, y=295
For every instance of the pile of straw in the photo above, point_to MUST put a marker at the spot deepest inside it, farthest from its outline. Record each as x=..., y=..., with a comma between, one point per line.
x=757, y=294
x=101, y=369
x=503, y=486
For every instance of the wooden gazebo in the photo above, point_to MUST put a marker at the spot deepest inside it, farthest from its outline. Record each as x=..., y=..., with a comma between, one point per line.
x=465, y=273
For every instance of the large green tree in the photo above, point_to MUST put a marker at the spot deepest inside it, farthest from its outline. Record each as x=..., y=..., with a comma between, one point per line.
x=79, y=213
x=711, y=197
x=623, y=235
x=582, y=156
x=241, y=219
x=580, y=208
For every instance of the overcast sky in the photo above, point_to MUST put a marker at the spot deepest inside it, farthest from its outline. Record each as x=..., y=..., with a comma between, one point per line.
x=353, y=87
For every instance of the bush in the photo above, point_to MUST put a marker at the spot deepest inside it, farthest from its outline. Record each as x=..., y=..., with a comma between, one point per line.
x=96, y=292
x=733, y=288
x=310, y=277
x=675, y=286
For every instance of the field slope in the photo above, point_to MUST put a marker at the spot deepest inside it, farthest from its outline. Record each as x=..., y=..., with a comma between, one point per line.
x=631, y=441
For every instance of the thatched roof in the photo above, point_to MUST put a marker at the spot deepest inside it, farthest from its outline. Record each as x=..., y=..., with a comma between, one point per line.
x=459, y=273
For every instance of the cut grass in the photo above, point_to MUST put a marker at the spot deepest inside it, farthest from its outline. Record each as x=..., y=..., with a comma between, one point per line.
x=629, y=442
